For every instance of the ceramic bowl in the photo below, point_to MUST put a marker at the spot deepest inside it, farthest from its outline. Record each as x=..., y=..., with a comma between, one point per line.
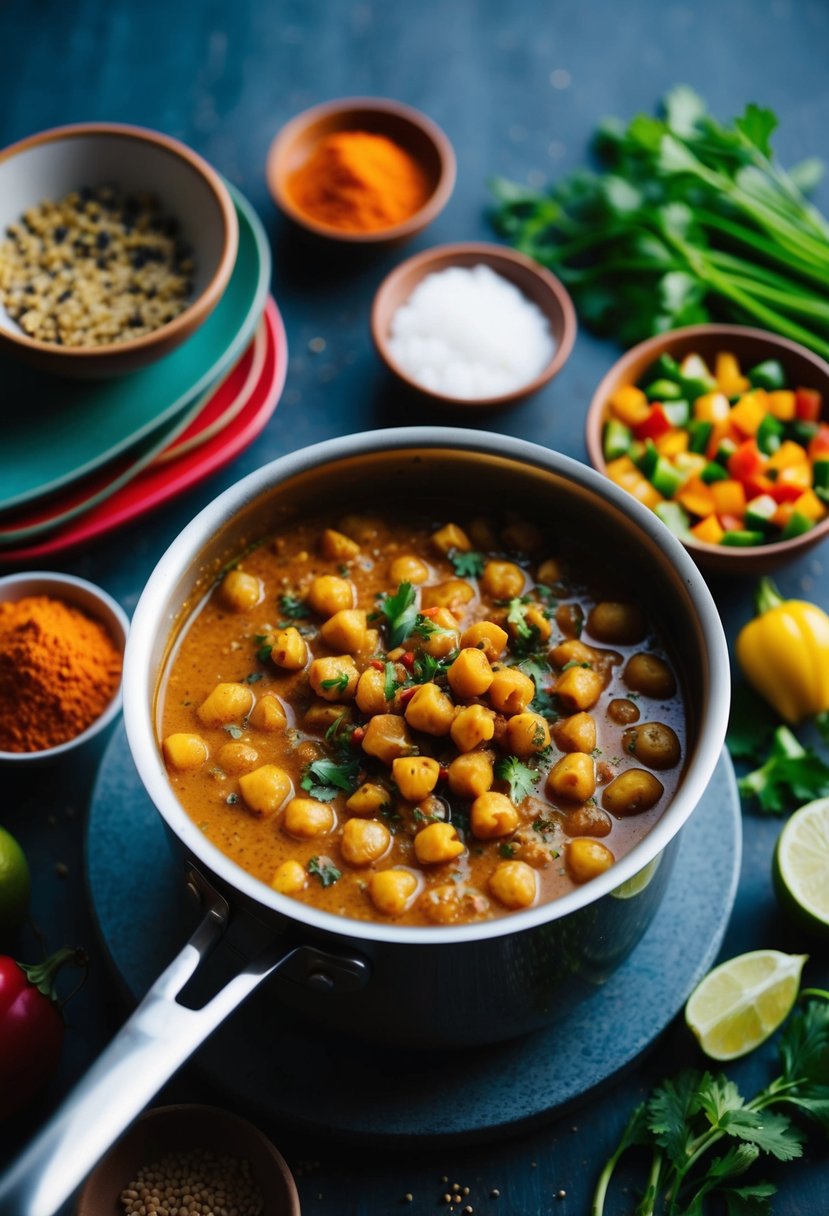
x=95, y=602
x=413, y=131
x=536, y=283
x=172, y=1129
x=751, y=346
x=56, y=162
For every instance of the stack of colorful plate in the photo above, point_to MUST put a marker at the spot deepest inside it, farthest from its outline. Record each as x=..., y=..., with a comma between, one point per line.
x=79, y=458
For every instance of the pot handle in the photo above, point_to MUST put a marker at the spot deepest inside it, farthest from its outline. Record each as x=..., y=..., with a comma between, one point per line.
x=155, y=1041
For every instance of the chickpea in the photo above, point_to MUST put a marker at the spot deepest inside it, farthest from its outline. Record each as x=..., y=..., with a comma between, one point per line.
x=503, y=580
x=633, y=791
x=550, y=571
x=392, y=891
x=268, y=713
x=320, y=715
x=587, y=820
x=225, y=704
x=240, y=592
x=447, y=903
x=450, y=537
x=623, y=711
x=368, y=800
x=514, y=884
x=437, y=843
x=185, y=752
x=430, y=710
x=586, y=859
x=472, y=725
x=470, y=675
x=653, y=744
x=408, y=569
x=471, y=774
x=487, y=637
x=570, y=619
x=445, y=639
x=288, y=649
x=578, y=688
x=334, y=679
x=364, y=841
x=527, y=734
x=511, y=690
x=289, y=878
x=650, y=675
x=371, y=692
x=572, y=777
x=306, y=818
x=616, y=622
x=338, y=547
x=329, y=594
x=452, y=594
x=237, y=757
x=345, y=631
x=575, y=734
x=265, y=789
x=415, y=776
x=387, y=738
x=522, y=537
x=492, y=815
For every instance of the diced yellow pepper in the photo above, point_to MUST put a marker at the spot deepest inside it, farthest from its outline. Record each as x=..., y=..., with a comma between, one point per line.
x=727, y=373
x=712, y=407
x=625, y=474
x=796, y=475
x=647, y=494
x=672, y=443
x=789, y=453
x=781, y=404
x=708, y=530
x=621, y=470
x=783, y=514
x=691, y=463
x=729, y=497
x=810, y=505
x=696, y=497
x=749, y=412
x=630, y=405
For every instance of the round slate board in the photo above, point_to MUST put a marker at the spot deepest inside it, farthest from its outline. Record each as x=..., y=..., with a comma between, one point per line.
x=269, y=1059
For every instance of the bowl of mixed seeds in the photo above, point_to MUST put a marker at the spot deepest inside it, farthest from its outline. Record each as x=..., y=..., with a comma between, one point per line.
x=115, y=244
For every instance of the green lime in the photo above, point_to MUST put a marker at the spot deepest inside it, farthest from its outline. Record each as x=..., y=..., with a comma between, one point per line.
x=801, y=867
x=14, y=881
x=741, y=1002
x=639, y=882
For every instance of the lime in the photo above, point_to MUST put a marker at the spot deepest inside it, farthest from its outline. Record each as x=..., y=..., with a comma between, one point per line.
x=741, y=1002
x=639, y=882
x=801, y=867
x=14, y=881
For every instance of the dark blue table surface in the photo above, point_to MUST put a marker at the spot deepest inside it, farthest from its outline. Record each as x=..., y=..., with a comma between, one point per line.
x=518, y=88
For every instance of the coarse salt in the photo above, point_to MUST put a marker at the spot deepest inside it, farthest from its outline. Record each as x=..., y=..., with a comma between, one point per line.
x=471, y=334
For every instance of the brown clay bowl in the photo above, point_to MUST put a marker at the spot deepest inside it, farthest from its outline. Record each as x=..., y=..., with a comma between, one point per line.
x=56, y=162
x=407, y=127
x=170, y=1129
x=536, y=283
x=751, y=346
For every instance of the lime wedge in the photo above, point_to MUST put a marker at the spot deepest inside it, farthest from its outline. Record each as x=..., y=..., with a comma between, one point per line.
x=801, y=867
x=639, y=882
x=741, y=1002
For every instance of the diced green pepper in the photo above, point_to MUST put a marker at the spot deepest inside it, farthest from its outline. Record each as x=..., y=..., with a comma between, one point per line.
x=647, y=461
x=675, y=517
x=725, y=451
x=663, y=390
x=740, y=539
x=769, y=434
x=769, y=375
x=665, y=368
x=666, y=479
x=693, y=388
x=616, y=440
x=802, y=432
x=700, y=433
x=714, y=472
x=820, y=474
x=797, y=524
x=759, y=512
x=677, y=412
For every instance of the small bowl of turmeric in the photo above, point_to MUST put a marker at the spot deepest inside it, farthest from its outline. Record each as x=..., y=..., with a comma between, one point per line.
x=62, y=644
x=363, y=170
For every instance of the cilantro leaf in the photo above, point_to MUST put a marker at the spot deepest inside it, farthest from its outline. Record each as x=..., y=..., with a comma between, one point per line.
x=756, y=125
x=749, y=1200
x=716, y=1096
x=389, y=680
x=772, y=1133
x=400, y=611
x=791, y=776
x=669, y=1113
x=325, y=779
x=467, y=565
x=517, y=617
x=322, y=869
x=520, y=778
x=339, y=681
x=294, y=608
x=425, y=627
x=750, y=725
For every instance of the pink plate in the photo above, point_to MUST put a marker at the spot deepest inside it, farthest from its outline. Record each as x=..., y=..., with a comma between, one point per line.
x=161, y=482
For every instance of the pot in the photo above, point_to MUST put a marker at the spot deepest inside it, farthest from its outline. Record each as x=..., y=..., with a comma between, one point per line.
x=441, y=986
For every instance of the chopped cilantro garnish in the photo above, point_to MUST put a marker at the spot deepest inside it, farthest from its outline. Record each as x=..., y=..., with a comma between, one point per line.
x=542, y=825
x=520, y=778
x=400, y=611
x=294, y=608
x=389, y=680
x=467, y=565
x=325, y=779
x=339, y=681
x=326, y=873
x=517, y=617
x=545, y=594
x=425, y=627
x=506, y=849
x=253, y=677
x=576, y=663
x=234, y=731
x=333, y=734
x=264, y=645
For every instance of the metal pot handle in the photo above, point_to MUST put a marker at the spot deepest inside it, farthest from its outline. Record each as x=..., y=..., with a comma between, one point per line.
x=154, y=1042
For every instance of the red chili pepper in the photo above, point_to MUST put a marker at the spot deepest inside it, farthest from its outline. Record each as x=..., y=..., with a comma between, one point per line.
x=408, y=658
x=377, y=664
x=31, y=1026
x=808, y=403
x=406, y=695
x=655, y=425
x=358, y=734
x=429, y=612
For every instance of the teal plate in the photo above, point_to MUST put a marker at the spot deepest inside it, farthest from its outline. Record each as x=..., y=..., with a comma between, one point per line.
x=56, y=431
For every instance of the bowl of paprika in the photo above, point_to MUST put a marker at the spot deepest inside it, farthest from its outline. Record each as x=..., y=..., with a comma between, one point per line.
x=56, y=625
x=362, y=170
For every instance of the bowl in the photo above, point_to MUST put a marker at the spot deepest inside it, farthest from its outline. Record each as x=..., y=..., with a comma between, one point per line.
x=405, y=126
x=184, y=1128
x=532, y=280
x=751, y=346
x=96, y=603
x=56, y=162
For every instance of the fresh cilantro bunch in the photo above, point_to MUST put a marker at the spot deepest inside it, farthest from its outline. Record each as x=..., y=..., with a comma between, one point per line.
x=787, y=774
x=704, y=1136
x=687, y=219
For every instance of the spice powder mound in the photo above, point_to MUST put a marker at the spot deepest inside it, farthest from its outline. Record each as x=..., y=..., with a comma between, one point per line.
x=59, y=669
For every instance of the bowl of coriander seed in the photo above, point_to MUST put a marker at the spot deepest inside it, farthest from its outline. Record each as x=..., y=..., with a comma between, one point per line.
x=116, y=243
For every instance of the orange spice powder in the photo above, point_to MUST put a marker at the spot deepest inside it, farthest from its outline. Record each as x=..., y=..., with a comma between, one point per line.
x=359, y=182
x=59, y=670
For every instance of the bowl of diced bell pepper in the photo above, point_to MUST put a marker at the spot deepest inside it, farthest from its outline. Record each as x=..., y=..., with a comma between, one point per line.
x=722, y=431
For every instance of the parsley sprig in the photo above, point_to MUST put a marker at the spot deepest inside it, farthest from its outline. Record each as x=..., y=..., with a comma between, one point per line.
x=467, y=565
x=521, y=779
x=322, y=869
x=325, y=779
x=790, y=776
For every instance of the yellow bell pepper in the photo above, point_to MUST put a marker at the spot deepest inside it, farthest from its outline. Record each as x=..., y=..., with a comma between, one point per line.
x=784, y=653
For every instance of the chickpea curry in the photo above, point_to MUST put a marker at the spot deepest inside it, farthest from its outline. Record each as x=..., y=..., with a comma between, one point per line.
x=397, y=719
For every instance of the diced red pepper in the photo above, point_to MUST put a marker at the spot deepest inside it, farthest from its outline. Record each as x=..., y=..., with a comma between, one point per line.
x=377, y=664
x=748, y=461
x=808, y=403
x=819, y=443
x=782, y=491
x=408, y=658
x=655, y=425
x=756, y=486
x=406, y=695
x=430, y=612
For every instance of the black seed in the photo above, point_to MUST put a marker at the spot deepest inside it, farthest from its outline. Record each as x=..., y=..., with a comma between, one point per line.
x=102, y=240
x=59, y=234
x=64, y=295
